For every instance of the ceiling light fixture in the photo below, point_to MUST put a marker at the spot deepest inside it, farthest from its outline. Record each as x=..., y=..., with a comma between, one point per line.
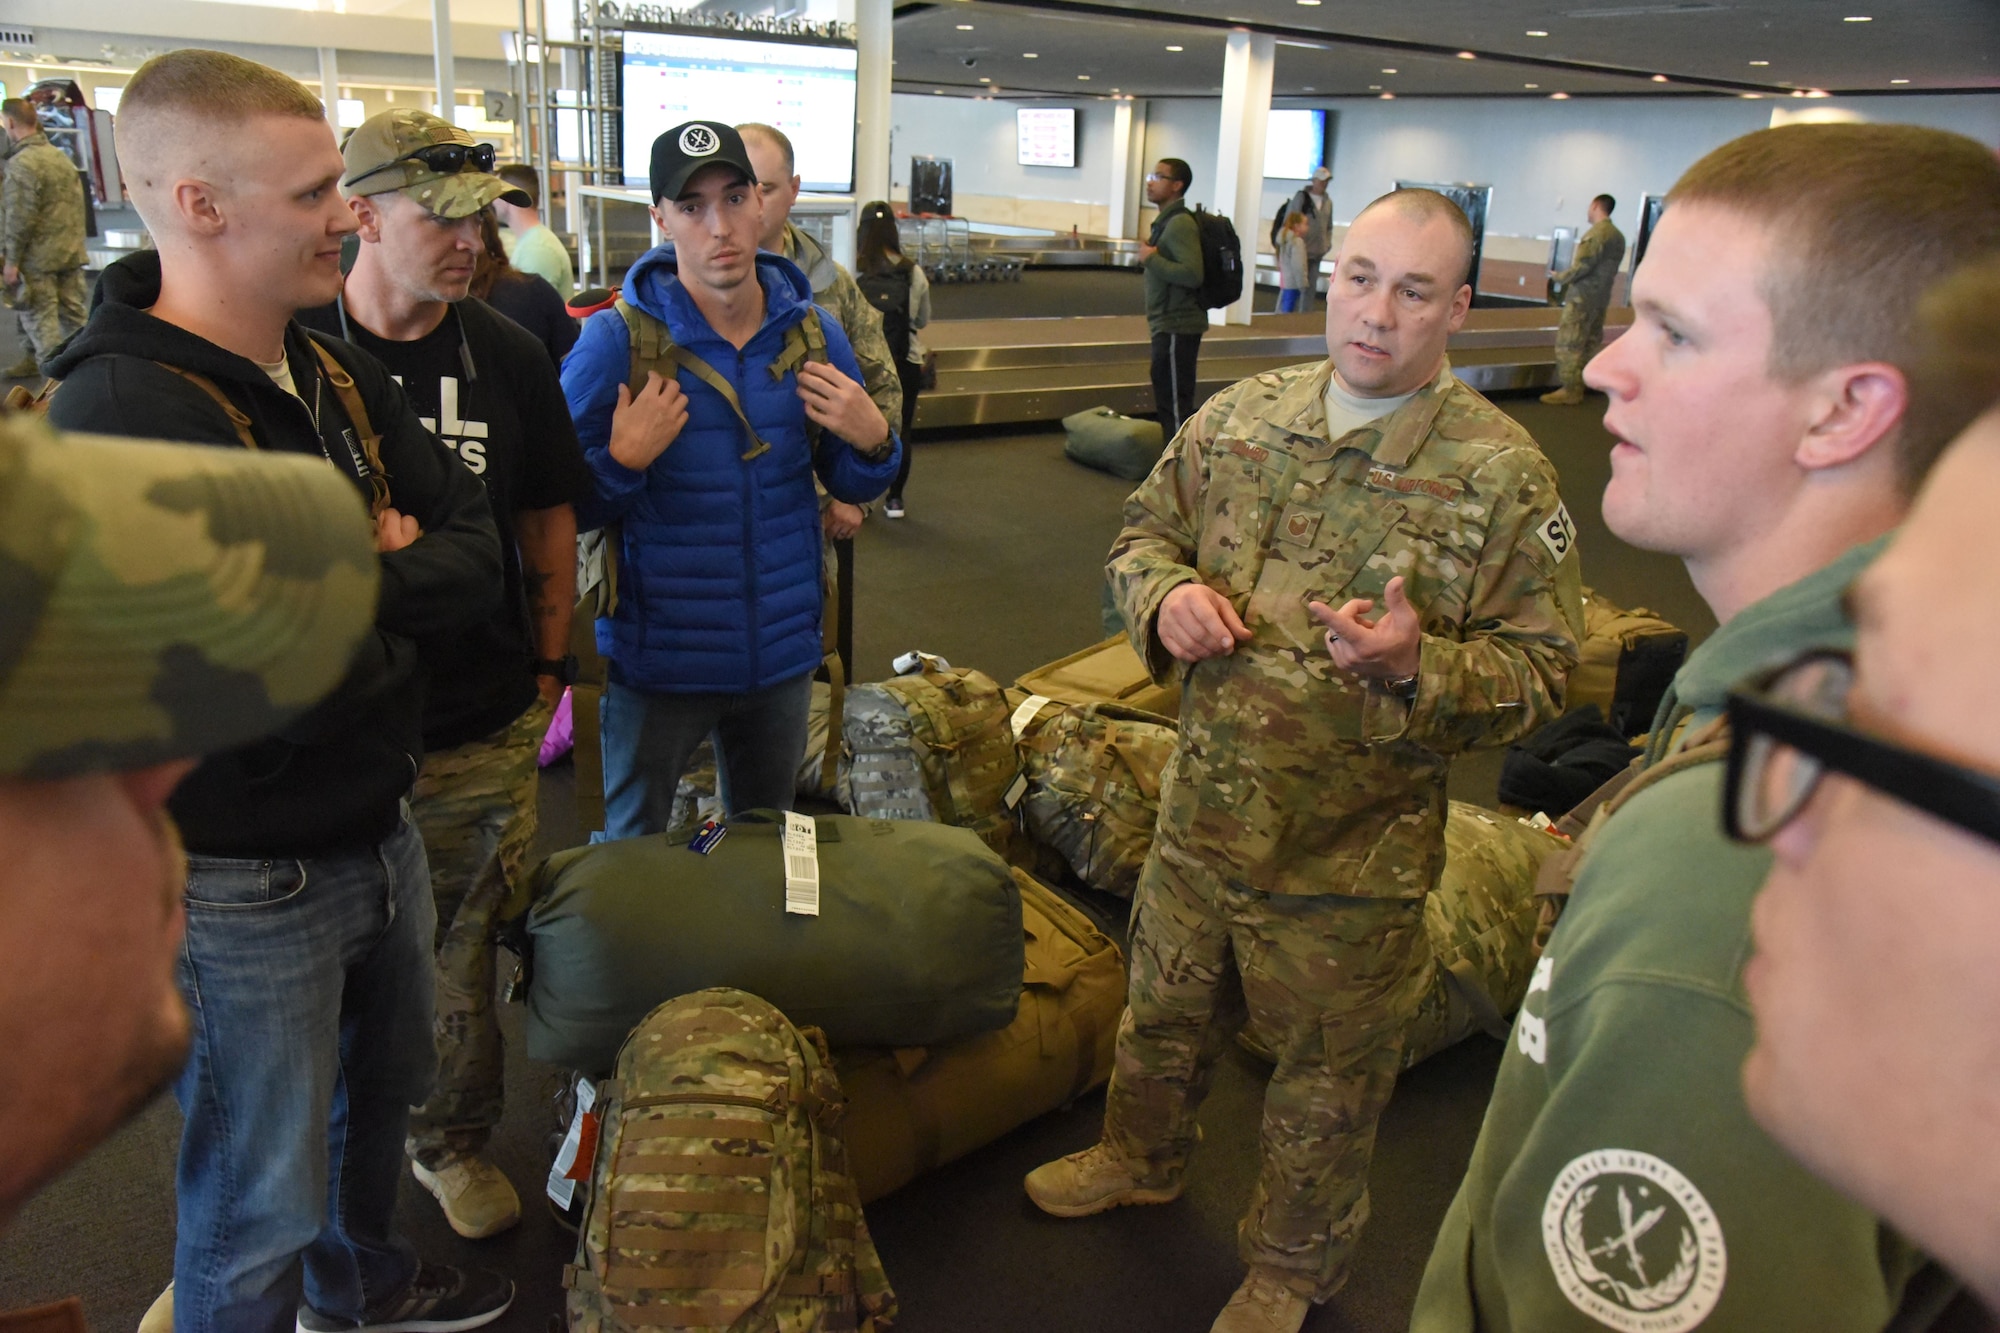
x=1374, y=87
x=1751, y=97
x=1388, y=97
x=1818, y=92
x=1388, y=71
x=1659, y=78
x=1798, y=92
x=1177, y=48
x=1899, y=80
x=1310, y=4
x=984, y=79
x=1531, y=85
x=1084, y=77
x=1559, y=97
x=1859, y=18
x=1760, y=63
x=1467, y=55
x=965, y=27
x=1029, y=55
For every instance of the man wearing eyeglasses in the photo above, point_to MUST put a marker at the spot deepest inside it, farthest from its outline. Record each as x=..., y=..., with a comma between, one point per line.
x=1875, y=782
x=1759, y=411
x=307, y=962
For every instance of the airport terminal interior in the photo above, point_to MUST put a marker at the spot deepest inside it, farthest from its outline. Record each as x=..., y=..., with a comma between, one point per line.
x=1018, y=137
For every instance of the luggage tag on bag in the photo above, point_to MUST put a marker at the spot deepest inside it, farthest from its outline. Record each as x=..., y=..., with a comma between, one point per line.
x=710, y=834
x=571, y=1158
x=1030, y=708
x=1016, y=791
x=801, y=843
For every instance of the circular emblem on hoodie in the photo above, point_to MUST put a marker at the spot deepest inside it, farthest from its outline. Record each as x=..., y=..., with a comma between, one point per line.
x=700, y=141
x=1633, y=1244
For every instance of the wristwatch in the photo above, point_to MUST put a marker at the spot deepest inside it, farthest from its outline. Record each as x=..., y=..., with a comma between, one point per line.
x=1403, y=687
x=563, y=668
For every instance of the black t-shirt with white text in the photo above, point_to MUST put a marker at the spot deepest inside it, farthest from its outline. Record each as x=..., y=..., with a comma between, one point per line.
x=485, y=387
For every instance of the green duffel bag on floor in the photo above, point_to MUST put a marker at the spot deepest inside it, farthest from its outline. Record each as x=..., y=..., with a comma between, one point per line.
x=917, y=941
x=1123, y=446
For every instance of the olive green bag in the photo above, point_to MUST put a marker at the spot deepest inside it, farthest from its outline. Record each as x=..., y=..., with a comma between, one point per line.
x=720, y=1196
x=917, y=941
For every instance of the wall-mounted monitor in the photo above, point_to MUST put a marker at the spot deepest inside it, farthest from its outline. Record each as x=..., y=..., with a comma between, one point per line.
x=1046, y=136
x=802, y=86
x=1294, y=144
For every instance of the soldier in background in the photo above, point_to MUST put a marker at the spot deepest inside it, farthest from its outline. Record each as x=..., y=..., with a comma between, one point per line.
x=122, y=659
x=1302, y=816
x=43, y=236
x=1586, y=284
x=833, y=288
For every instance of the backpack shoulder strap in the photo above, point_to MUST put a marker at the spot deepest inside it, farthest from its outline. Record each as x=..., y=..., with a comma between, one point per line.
x=238, y=418
x=654, y=349
x=349, y=394
x=1557, y=876
x=804, y=341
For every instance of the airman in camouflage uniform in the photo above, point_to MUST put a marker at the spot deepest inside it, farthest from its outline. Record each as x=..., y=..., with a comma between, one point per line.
x=1587, y=284
x=43, y=235
x=1302, y=814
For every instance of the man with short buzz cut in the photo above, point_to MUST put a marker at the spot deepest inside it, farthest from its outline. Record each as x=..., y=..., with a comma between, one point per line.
x=1586, y=285
x=532, y=245
x=833, y=287
x=706, y=460
x=307, y=962
x=1175, y=317
x=1758, y=406
x=486, y=388
x=1871, y=779
x=42, y=241
x=1302, y=815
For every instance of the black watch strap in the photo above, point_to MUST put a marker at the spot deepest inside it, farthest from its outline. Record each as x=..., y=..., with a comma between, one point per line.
x=563, y=668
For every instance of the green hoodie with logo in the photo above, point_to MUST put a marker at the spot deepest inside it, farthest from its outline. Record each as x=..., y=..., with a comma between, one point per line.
x=1618, y=1181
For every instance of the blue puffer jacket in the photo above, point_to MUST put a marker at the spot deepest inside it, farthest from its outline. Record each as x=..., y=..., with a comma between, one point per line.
x=719, y=575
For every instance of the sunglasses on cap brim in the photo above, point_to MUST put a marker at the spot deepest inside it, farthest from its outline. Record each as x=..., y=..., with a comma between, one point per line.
x=446, y=159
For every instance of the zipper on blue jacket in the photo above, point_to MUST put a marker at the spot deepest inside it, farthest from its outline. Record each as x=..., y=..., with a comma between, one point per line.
x=749, y=544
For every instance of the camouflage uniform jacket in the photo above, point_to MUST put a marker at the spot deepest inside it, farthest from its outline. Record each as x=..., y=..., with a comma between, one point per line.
x=44, y=209
x=834, y=289
x=1594, y=269
x=1293, y=776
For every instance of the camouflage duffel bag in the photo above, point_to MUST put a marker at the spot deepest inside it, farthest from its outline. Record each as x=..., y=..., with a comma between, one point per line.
x=720, y=1196
x=1094, y=789
x=1126, y=447
x=933, y=745
x=1480, y=920
x=1107, y=672
x=917, y=937
x=911, y=1110
x=1626, y=662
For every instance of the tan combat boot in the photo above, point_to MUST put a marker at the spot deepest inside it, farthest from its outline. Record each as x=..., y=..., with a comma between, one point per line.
x=1563, y=397
x=478, y=1200
x=1091, y=1181
x=1263, y=1304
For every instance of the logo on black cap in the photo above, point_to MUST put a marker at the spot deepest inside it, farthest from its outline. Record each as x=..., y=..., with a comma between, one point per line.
x=699, y=141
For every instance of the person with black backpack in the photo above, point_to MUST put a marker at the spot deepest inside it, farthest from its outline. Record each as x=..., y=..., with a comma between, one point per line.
x=896, y=286
x=1175, y=314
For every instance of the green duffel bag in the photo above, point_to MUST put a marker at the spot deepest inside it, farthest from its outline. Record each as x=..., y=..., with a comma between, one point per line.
x=1123, y=446
x=917, y=941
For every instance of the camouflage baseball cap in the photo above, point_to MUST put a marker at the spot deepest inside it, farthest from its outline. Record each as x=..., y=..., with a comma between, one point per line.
x=380, y=157
x=164, y=601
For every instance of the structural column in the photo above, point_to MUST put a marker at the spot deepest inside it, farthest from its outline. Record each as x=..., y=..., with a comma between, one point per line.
x=447, y=82
x=329, y=86
x=874, y=33
x=1128, y=168
x=1239, y=153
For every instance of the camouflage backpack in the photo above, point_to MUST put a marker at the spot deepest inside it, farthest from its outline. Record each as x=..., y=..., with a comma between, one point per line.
x=933, y=745
x=1094, y=789
x=721, y=1197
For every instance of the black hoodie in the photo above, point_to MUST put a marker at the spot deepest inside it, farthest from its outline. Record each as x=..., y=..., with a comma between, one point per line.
x=334, y=781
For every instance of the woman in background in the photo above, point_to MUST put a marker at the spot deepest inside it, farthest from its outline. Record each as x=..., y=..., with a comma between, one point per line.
x=526, y=299
x=895, y=286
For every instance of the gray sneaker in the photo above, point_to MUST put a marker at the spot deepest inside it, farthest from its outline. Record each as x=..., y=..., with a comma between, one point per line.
x=1093, y=1180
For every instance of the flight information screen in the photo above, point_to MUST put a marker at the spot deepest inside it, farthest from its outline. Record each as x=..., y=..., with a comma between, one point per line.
x=1294, y=144
x=804, y=88
x=1045, y=136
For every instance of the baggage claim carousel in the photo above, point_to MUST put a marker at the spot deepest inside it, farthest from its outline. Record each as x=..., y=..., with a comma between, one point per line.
x=1004, y=371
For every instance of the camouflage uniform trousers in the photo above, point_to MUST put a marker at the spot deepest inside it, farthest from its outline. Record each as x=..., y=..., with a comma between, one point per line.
x=52, y=307
x=475, y=805
x=1578, y=338
x=1331, y=981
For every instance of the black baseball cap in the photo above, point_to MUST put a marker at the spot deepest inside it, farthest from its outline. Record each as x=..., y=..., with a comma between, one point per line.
x=686, y=149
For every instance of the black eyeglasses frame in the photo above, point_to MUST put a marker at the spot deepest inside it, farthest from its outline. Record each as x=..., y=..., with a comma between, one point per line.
x=467, y=155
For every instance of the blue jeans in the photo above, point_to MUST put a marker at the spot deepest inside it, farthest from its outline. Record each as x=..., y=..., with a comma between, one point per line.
x=760, y=739
x=1288, y=299
x=311, y=988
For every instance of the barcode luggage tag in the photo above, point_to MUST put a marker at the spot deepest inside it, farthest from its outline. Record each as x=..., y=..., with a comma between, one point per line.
x=801, y=865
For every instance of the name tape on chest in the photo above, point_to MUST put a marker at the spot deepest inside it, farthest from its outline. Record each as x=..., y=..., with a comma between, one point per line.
x=1384, y=480
x=1558, y=533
